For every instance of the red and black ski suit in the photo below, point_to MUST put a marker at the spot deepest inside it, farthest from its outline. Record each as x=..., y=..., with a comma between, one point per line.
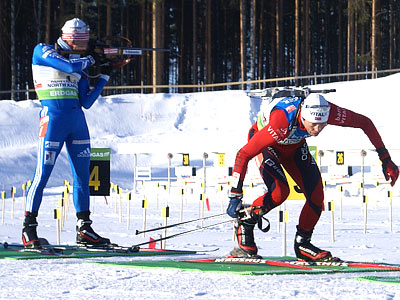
x=281, y=142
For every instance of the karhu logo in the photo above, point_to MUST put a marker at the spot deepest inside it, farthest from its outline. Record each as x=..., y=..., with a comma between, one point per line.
x=85, y=153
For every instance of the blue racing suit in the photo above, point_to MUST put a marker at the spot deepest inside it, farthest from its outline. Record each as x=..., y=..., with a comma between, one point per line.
x=62, y=90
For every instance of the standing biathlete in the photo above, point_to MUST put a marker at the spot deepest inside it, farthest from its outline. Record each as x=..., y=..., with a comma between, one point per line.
x=63, y=89
x=278, y=139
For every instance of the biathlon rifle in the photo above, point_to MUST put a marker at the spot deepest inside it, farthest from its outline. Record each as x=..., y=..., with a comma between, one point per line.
x=115, y=51
x=273, y=93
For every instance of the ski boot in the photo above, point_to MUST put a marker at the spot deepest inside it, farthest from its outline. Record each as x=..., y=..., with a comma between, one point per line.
x=85, y=235
x=306, y=251
x=29, y=235
x=244, y=231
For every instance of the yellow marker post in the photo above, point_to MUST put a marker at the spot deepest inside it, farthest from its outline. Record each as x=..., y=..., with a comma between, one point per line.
x=158, y=194
x=390, y=195
x=128, y=210
x=120, y=204
x=165, y=215
x=61, y=209
x=13, y=191
x=28, y=184
x=340, y=189
x=115, y=198
x=145, y=204
x=202, y=199
x=23, y=187
x=331, y=208
x=111, y=186
x=57, y=217
x=284, y=218
x=221, y=197
x=181, y=192
x=66, y=200
x=365, y=202
x=3, y=197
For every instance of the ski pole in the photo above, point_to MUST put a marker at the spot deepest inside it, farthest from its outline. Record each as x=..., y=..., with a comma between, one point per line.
x=177, y=224
x=178, y=234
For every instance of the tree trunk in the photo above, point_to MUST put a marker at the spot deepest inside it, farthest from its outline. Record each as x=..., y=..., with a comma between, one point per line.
x=154, y=45
x=157, y=37
x=279, y=37
x=261, y=42
x=373, y=35
x=13, y=53
x=297, y=39
x=181, y=44
x=252, y=39
x=77, y=8
x=350, y=37
x=307, y=39
x=194, y=46
x=209, y=70
x=48, y=19
x=242, y=42
x=340, y=40
x=108, y=19
x=391, y=33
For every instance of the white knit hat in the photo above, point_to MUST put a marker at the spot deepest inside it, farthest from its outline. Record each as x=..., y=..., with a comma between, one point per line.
x=75, y=29
x=315, y=109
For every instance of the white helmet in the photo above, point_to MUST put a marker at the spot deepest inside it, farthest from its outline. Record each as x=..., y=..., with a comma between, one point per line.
x=315, y=109
x=75, y=29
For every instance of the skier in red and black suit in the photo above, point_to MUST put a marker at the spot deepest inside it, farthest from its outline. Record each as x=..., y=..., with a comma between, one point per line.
x=278, y=139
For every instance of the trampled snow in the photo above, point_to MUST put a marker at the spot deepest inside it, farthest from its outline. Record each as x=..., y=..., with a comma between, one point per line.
x=198, y=123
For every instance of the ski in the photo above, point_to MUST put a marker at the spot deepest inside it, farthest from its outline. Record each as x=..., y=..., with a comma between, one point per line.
x=259, y=266
x=245, y=260
x=18, y=251
x=343, y=263
x=60, y=248
x=101, y=248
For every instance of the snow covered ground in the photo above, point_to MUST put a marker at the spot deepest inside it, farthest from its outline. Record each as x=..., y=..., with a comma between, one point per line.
x=195, y=123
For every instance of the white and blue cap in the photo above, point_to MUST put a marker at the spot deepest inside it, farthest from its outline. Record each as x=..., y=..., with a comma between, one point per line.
x=75, y=29
x=315, y=108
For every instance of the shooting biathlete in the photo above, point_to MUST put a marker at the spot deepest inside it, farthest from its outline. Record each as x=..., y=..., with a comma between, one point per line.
x=63, y=89
x=278, y=139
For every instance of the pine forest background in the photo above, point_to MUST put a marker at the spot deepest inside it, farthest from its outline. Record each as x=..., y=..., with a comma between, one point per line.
x=211, y=41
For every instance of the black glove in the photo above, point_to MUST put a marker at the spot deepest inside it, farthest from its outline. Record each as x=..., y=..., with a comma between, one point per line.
x=235, y=203
x=98, y=56
x=389, y=168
